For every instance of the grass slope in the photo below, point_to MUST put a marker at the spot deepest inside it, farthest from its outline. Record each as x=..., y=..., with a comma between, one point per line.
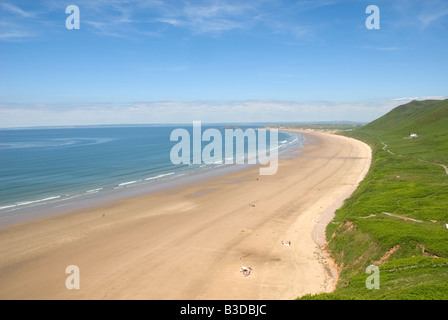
x=396, y=218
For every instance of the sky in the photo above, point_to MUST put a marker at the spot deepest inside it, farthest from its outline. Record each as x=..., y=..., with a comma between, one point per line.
x=176, y=61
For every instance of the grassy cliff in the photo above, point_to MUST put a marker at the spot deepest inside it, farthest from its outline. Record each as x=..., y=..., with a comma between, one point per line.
x=397, y=217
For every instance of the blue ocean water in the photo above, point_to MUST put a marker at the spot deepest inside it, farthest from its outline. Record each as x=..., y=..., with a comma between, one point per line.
x=39, y=166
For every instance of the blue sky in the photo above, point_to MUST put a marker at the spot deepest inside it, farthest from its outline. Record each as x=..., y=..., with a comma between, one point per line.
x=176, y=61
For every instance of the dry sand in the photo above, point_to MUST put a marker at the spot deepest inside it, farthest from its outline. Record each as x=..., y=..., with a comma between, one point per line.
x=190, y=242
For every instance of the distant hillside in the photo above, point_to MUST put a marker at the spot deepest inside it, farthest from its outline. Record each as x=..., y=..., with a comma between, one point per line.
x=424, y=117
x=397, y=218
x=428, y=119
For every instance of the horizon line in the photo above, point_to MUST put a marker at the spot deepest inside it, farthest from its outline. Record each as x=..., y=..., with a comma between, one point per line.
x=124, y=125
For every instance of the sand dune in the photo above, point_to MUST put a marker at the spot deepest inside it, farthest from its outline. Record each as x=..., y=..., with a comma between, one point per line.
x=190, y=242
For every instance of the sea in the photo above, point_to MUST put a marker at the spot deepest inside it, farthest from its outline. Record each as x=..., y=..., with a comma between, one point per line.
x=55, y=165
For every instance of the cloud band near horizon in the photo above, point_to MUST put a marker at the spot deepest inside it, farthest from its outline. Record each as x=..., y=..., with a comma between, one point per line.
x=176, y=112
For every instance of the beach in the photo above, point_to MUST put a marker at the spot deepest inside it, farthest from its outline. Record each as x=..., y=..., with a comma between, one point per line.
x=190, y=241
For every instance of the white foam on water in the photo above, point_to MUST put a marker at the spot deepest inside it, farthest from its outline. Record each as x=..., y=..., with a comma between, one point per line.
x=127, y=183
x=159, y=176
x=36, y=201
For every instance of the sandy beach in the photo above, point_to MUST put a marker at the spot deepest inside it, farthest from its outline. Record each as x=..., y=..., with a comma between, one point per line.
x=190, y=242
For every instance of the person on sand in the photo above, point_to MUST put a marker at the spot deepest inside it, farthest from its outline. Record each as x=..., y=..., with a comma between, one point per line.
x=245, y=271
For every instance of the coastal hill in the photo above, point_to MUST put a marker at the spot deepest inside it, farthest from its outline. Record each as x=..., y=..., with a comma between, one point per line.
x=428, y=115
x=398, y=218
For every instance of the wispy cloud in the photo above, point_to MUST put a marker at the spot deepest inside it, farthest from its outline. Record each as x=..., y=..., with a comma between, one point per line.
x=143, y=18
x=429, y=17
x=381, y=48
x=409, y=99
x=415, y=13
x=14, y=35
x=14, y=23
x=209, y=16
x=16, y=10
x=22, y=115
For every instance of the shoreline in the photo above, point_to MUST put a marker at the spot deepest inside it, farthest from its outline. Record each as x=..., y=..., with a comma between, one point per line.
x=189, y=242
x=319, y=230
x=328, y=215
x=86, y=200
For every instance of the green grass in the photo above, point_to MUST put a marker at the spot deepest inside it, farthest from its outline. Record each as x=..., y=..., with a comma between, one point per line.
x=417, y=278
x=403, y=184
